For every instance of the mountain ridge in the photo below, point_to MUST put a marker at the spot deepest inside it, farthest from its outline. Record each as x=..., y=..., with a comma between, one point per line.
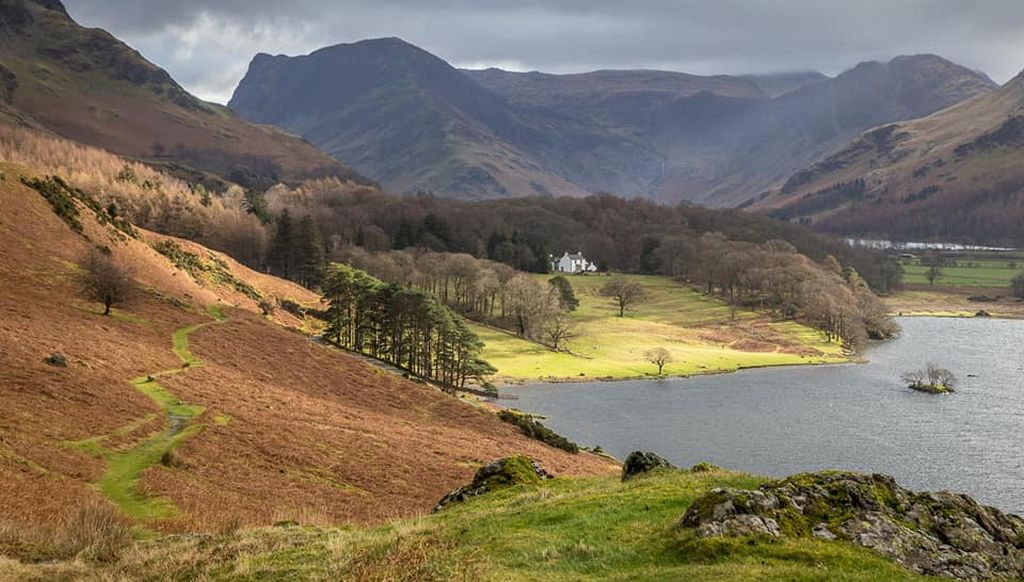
x=414, y=122
x=952, y=175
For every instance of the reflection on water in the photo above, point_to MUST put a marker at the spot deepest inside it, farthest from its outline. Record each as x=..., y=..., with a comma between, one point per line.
x=858, y=416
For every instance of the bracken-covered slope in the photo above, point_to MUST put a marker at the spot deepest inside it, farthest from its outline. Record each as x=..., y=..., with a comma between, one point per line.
x=957, y=174
x=405, y=117
x=264, y=423
x=86, y=85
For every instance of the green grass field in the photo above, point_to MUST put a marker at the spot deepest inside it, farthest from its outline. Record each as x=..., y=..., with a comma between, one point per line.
x=560, y=530
x=966, y=273
x=703, y=335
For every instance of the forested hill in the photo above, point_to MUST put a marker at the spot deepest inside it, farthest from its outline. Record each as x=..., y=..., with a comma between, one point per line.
x=635, y=236
x=86, y=85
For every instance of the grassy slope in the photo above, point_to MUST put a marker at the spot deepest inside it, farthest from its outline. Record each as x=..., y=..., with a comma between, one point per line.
x=985, y=273
x=703, y=335
x=566, y=529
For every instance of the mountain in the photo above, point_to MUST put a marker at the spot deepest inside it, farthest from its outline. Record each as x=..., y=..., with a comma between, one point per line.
x=410, y=120
x=250, y=422
x=798, y=128
x=86, y=85
x=404, y=117
x=957, y=174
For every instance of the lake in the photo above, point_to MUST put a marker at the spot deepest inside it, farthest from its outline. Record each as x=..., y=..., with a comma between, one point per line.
x=781, y=421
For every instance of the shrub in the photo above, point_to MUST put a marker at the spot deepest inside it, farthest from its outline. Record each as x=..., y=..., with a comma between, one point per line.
x=97, y=532
x=535, y=430
x=60, y=198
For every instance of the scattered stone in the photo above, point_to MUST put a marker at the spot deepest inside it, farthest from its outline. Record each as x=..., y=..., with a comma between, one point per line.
x=640, y=462
x=56, y=360
x=982, y=313
x=935, y=534
x=496, y=475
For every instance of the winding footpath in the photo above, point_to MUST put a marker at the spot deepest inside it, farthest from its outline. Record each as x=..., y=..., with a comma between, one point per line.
x=119, y=482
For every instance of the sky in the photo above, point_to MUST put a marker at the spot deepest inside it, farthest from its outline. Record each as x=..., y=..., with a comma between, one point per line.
x=207, y=45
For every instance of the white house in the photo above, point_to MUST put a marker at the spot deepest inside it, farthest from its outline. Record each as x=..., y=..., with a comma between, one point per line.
x=572, y=264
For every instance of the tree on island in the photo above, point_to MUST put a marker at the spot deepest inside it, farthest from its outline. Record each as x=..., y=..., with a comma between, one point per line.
x=659, y=357
x=932, y=379
x=103, y=280
x=625, y=292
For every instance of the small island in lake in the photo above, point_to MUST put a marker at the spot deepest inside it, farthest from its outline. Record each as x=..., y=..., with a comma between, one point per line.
x=933, y=379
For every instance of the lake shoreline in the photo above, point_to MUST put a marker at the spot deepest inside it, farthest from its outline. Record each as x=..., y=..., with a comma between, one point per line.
x=781, y=420
x=853, y=359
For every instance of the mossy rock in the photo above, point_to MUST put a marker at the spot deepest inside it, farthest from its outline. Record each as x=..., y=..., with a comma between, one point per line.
x=497, y=475
x=640, y=462
x=939, y=534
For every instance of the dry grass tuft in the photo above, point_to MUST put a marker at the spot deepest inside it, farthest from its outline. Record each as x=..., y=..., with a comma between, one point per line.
x=96, y=532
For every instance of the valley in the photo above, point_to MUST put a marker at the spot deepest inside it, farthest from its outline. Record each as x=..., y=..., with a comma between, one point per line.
x=404, y=315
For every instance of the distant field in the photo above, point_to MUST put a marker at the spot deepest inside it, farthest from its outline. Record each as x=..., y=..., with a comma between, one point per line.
x=703, y=335
x=967, y=273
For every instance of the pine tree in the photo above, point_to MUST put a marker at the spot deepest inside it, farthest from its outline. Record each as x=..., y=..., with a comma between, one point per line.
x=281, y=256
x=310, y=257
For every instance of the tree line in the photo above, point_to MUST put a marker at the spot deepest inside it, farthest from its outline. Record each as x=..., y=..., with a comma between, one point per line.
x=486, y=291
x=769, y=277
x=408, y=328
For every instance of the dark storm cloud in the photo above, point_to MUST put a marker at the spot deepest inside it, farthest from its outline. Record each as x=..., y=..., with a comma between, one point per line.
x=207, y=44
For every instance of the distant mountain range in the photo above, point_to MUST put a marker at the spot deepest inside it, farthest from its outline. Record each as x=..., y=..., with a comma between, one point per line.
x=86, y=85
x=402, y=116
x=957, y=174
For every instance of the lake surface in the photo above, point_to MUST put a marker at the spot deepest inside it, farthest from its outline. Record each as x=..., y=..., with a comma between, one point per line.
x=858, y=416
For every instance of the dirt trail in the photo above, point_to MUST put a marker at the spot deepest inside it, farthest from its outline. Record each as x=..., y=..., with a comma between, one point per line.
x=119, y=482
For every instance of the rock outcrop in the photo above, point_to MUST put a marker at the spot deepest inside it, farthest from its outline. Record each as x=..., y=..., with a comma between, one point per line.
x=938, y=534
x=640, y=462
x=497, y=475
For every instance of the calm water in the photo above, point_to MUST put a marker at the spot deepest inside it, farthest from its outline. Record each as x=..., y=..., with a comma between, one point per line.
x=859, y=416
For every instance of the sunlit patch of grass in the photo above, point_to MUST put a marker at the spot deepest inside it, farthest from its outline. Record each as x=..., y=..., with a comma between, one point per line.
x=704, y=335
x=221, y=419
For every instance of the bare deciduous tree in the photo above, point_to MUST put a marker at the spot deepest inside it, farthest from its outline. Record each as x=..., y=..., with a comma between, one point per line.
x=625, y=292
x=659, y=357
x=933, y=376
x=104, y=280
x=559, y=329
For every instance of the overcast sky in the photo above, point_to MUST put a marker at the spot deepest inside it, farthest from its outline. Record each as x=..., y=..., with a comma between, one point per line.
x=207, y=44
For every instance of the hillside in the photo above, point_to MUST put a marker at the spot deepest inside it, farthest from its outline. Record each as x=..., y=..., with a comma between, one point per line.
x=955, y=175
x=86, y=85
x=188, y=410
x=565, y=529
x=408, y=119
